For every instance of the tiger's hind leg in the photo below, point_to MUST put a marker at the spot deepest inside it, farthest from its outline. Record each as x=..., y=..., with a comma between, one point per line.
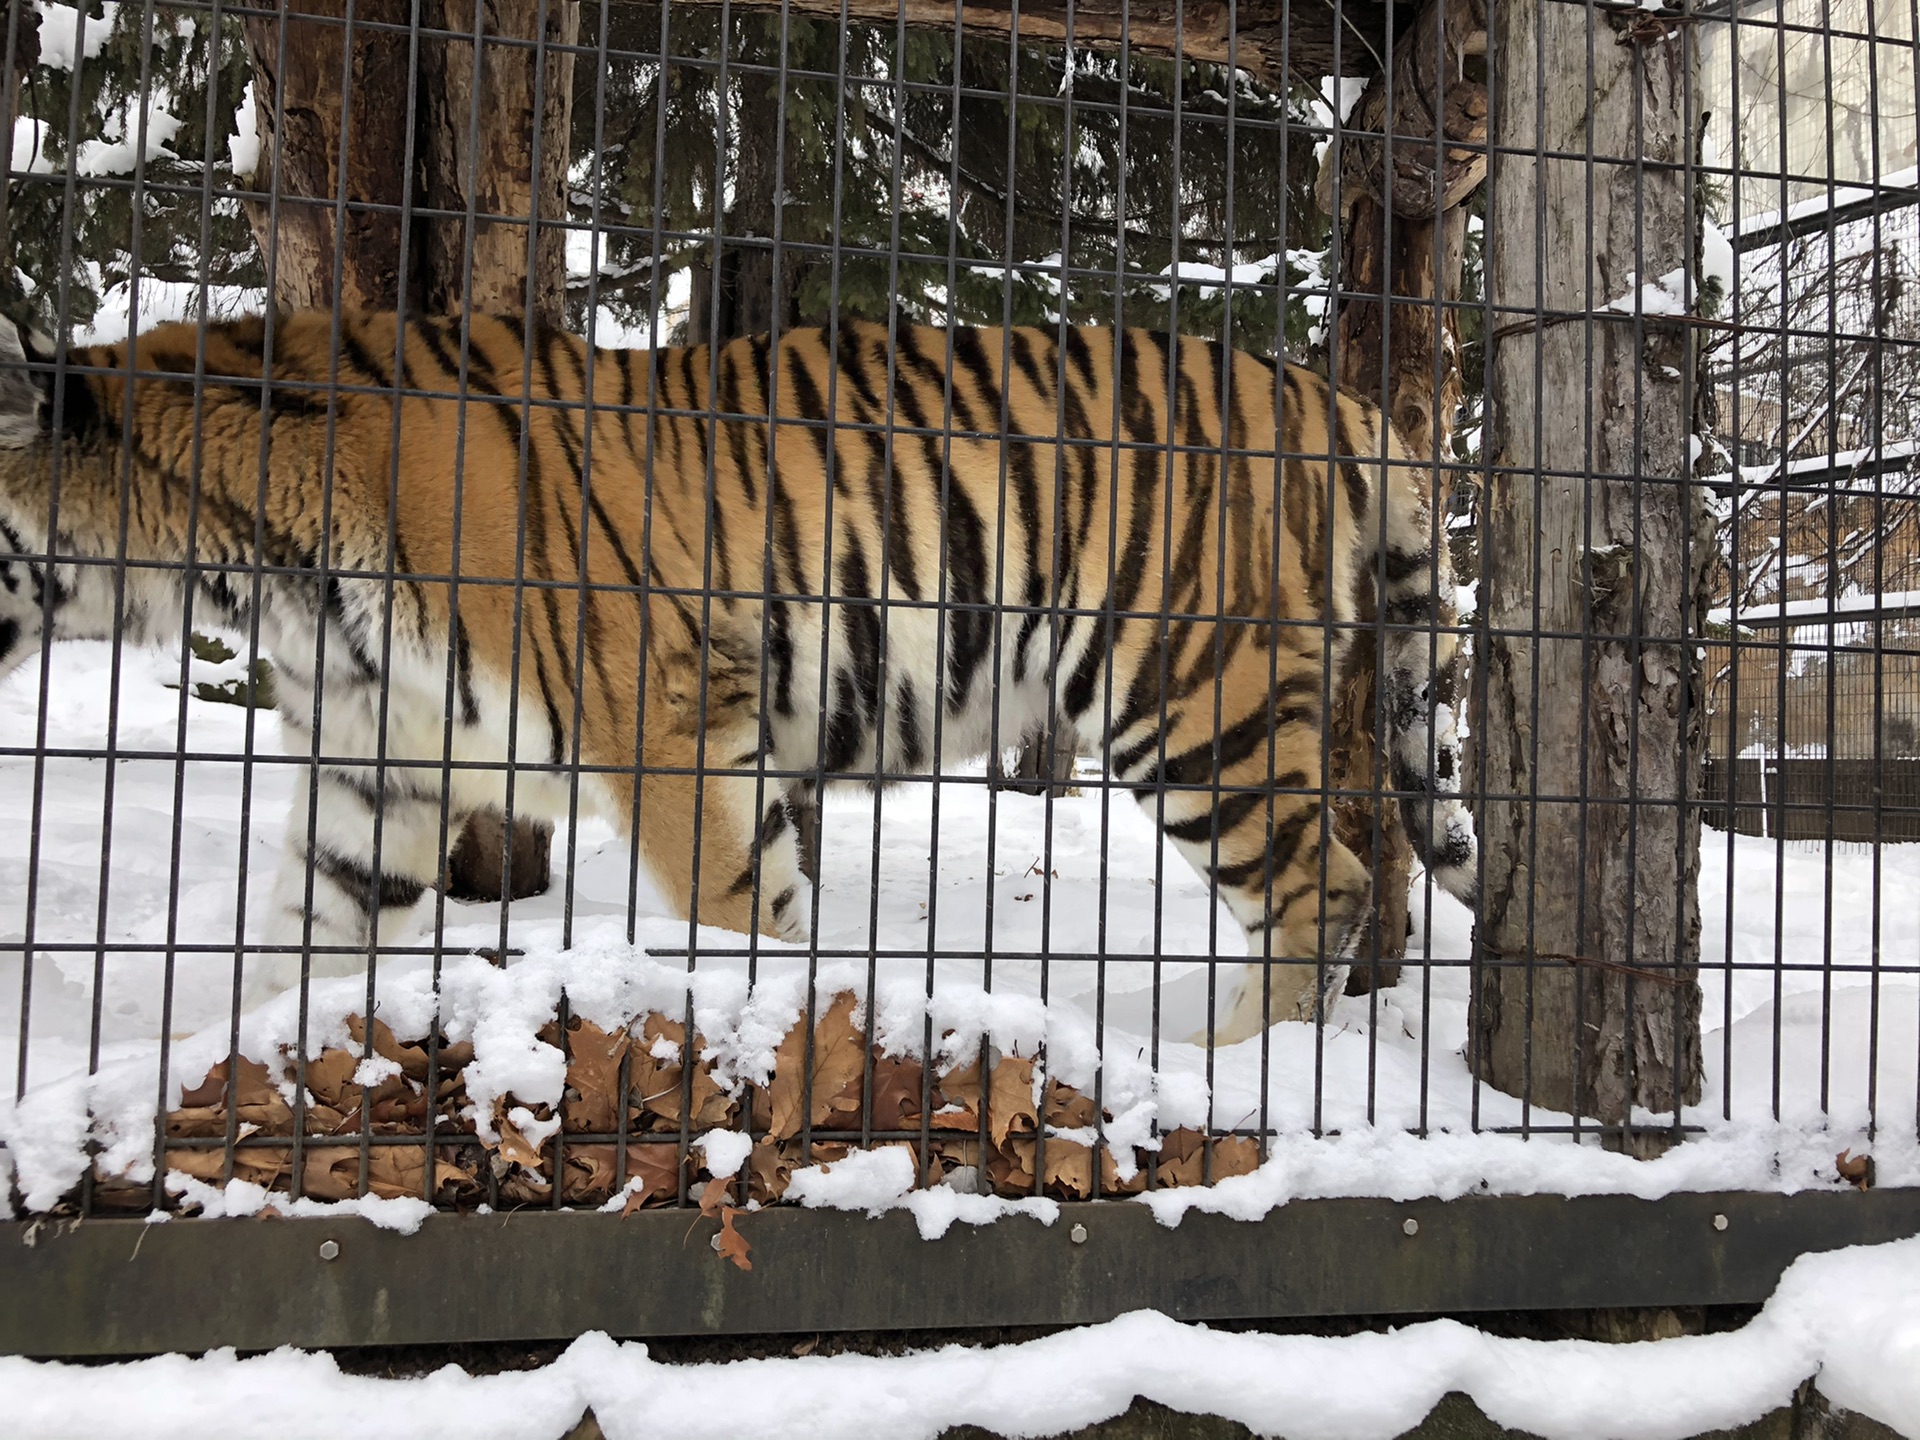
x=1244, y=802
x=718, y=834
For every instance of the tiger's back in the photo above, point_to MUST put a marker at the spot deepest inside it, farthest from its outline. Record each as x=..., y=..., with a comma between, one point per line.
x=854, y=554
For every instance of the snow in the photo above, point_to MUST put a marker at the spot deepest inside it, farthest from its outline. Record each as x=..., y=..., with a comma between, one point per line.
x=1848, y=1318
x=1717, y=262
x=1838, y=462
x=244, y=144
x=1818, y=607
x=1665, y=296
x=882, y=1179
x=1386, y=1065
x=60, y=23
x=30, y=147
x=121, y=151
x=1211, y=279
x=1841, y=195
x=240, y=1198
x=725, y=1151
x=157, y=302
x=1342, y=94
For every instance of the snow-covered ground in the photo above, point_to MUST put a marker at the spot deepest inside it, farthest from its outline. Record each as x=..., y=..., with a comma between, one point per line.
x=1382, y=1067
x=1849, y=1319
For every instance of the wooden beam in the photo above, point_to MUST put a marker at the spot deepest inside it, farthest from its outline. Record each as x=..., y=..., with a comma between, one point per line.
x=1259, y=36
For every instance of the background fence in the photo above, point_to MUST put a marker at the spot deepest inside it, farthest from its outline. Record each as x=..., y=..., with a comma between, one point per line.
x=1658, y=355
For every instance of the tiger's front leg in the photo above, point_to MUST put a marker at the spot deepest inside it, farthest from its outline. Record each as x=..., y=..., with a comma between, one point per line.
x=331, y=893
x=1241, y=794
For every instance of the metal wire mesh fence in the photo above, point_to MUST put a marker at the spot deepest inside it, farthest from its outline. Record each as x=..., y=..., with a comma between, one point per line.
x=812, y=506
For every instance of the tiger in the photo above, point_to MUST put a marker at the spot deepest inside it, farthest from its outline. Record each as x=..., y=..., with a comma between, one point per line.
x=703, y=579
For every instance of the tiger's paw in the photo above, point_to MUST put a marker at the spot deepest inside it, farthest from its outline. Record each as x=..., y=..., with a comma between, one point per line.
x=790, y=914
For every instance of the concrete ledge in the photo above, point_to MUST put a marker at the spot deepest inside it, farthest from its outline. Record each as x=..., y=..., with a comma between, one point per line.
x=121, y=1287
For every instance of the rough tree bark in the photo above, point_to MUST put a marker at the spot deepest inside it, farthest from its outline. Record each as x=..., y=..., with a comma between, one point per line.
x=1588, y=998
x=307, y=136
x=1393, y=345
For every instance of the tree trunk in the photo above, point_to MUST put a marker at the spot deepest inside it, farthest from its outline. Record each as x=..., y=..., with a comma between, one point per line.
x=487, y=172
x=299, y=69
x=743, y=275
x=1395, y=347
x=1588, y=1000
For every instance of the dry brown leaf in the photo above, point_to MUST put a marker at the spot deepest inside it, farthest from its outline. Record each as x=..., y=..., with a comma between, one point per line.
x=1011, y=1111
x=660, y=1087
x=259, y=1165
x=1069, y=1168
x=1235, y=1155
x=515, y=1147
x=731, y=1244
x=591, y=1172
x=325, y=1120
x=1856, y=1170
x=520, y=1188
x=769, y=1168
x=412, y=1059
x=396, y=1171
x=714, y=1196
x=1183, y=1159
x=197, y=1121
x=656, y=1166
x=1067, y=1107
x=593, y=1073
x=330, y=1078
x=896, y=1092
x=399, y=1109
x=1010, y=1168
x=839, y=1058
x=954, y=1151
x=256, y=1087
x=1110, y=1181
x=959, y=1086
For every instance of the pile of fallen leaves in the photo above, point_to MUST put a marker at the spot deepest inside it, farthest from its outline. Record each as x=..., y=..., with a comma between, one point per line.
x=365, y=1103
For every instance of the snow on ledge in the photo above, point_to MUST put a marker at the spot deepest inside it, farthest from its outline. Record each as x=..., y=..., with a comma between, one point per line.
x=1850, y=1319
x=1398, y=1165
x=238, y=1198
x=877, y=1181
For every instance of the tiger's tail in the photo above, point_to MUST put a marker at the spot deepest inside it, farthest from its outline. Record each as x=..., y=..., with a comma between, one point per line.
x=1419, y=677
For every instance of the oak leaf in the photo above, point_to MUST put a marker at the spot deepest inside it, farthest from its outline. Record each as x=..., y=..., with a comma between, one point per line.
x=1011, y=1103
x=731, y=1244
x=255, y=1087
x=593, y=1075
x=412, y=1059
x=661, y=1085
x=656, y=1167
x=897, y=1083
x=838, y=1060
x=516, y=1147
